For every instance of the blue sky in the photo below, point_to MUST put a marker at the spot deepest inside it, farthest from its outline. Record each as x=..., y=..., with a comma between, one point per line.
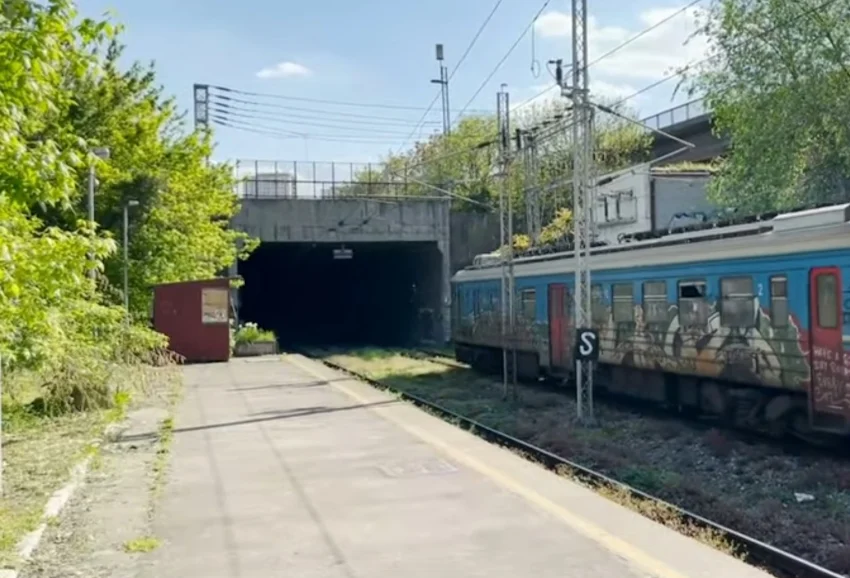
x=382, y=52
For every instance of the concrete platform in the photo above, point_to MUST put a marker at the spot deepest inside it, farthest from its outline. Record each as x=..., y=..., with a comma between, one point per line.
x=283, y=467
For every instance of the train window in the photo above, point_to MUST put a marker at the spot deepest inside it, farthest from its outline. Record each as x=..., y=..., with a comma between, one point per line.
x=624, y=305
x=598, y=309
x=693, y=310
x=655, y=302
x=737, y=305
x=528, y=304
x=827, y=301
x=779, y=301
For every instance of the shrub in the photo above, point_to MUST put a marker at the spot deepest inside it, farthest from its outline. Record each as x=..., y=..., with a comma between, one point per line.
x=251, y=333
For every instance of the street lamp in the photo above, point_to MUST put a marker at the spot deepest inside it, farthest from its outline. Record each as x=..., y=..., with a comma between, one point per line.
x=127, y=205
x=101, y=153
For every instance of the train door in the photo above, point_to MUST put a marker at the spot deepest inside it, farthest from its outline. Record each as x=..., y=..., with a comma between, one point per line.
x=827, y=393
x=559, y=340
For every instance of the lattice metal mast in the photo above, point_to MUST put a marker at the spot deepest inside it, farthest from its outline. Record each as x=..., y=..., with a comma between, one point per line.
x=506, y=247
x=582, y=139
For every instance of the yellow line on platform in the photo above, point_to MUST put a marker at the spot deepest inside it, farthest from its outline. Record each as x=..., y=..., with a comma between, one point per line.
x=589, y=529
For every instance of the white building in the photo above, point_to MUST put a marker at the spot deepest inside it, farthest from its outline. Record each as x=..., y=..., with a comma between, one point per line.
x=268, y=185
x=643, y=199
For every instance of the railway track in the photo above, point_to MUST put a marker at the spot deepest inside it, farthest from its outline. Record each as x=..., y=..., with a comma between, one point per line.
x=789, y=444
x=783, y=564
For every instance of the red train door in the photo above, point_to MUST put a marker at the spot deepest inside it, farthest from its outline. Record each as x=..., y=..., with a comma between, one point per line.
x=829, y=378
x=558, y=326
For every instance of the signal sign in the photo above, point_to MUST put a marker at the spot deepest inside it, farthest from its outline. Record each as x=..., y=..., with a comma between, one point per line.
x=587, y=344
x=343, y=253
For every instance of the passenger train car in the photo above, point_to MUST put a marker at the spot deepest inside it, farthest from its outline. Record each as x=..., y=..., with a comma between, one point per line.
x=749, y=323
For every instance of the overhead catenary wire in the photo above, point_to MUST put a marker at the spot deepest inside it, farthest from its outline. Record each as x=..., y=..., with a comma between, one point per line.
x=504, y=58
x=681, y=71
x=269, y=107
x=383, y=106
x=248, y=115
x=284, y=134
x=618, y=47
x=455, y=69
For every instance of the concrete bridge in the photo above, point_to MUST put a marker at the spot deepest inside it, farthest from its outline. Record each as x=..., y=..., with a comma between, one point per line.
x=692, y=122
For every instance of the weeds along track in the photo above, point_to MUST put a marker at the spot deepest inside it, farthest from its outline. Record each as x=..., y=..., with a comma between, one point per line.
x=791, y=513
x=787, y=444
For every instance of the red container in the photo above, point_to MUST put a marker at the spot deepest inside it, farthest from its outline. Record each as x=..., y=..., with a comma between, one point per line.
x=195, y=316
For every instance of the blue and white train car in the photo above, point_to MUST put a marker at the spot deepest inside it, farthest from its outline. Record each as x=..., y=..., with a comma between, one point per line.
x=748, y=322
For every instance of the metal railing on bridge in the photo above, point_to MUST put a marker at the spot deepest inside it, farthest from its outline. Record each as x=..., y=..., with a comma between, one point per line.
x=677, y=114
x=319, y=180
x=332, y=180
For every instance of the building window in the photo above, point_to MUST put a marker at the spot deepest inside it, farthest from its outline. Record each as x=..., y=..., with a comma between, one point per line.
x=693, y=309
x=827, y=301
x=779, y=301
x=598, y=309
x=528, y=304
x=623, y=308
x=655, y=302
x=737, y=302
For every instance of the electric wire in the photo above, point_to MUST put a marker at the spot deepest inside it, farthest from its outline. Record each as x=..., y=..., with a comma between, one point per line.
x=504, y=58
x=281, y=133
x=239, y=114
x=619, y=47
x=314, y=100
x=455, y=69
x=221, y=99
x=681, y=71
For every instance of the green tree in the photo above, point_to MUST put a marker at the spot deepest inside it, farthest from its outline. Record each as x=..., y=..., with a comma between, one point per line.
x=778, y=82
x=180, y=228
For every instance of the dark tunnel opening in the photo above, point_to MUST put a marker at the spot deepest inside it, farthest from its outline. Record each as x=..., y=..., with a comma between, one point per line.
x=387, y=294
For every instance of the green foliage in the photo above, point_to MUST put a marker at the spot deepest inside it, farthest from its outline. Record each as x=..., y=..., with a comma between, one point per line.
x=778, y=84
x=251, y=333
x=467, y=161
x=62, y=92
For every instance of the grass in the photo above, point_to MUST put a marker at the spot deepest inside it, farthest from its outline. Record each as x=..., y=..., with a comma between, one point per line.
x=141, y=545
x=38, y=456
x=40, y=450
x=746, y=487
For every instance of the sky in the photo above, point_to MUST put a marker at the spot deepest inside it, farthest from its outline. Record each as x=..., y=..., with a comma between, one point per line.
x=380, y=54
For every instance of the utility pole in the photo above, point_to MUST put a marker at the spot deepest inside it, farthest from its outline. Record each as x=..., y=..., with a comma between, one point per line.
x=506, y=248
x=446, y=309
x=201, y=94
x=582, y=139
x=533, y=214
x=444, y=90
x=101, y=153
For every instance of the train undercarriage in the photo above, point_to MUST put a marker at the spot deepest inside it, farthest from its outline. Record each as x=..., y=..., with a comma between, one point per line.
x=774, y=412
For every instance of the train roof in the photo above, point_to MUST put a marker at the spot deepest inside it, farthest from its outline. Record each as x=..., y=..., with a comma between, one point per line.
x=808, y=230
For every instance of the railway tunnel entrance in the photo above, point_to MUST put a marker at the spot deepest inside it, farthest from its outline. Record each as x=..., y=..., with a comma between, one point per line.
x=322, y=294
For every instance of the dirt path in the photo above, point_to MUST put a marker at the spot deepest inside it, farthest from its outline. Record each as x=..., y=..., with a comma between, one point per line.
x=105, y=529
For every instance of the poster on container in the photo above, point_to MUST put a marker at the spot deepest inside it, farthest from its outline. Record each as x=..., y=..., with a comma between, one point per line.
x=214, y=305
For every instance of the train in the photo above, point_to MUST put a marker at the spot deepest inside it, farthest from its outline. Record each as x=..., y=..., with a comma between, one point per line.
x=747, y=323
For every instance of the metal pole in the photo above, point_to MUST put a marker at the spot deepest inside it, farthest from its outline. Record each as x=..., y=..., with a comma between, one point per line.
x=91, y=210
x=126, y=258
x=127, y=205
x=506, y=244
x=582, y=199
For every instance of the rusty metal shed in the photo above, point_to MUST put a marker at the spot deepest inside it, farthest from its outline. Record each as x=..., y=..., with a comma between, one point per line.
x=195, y=316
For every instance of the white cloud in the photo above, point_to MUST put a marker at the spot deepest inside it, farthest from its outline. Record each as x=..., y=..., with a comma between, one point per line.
x=650, y=57
x=284, y=69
